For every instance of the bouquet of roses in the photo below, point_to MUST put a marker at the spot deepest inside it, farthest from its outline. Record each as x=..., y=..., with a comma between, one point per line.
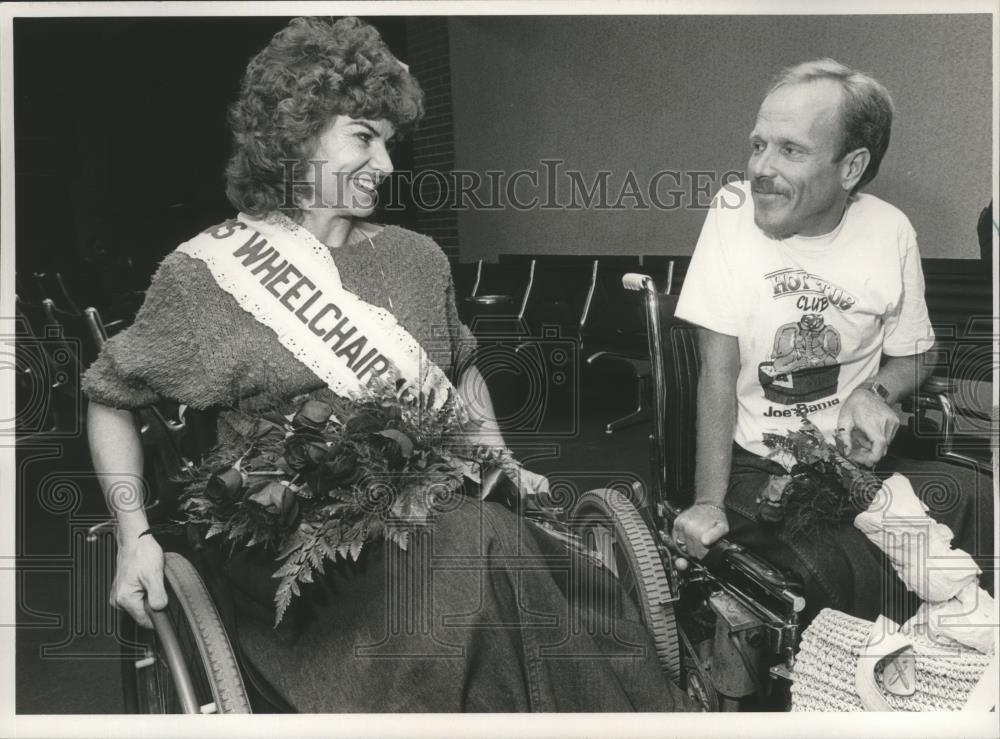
x=313, y=486
x=822, y=488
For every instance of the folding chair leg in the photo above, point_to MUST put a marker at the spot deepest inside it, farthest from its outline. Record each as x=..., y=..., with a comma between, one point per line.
x=639, y=415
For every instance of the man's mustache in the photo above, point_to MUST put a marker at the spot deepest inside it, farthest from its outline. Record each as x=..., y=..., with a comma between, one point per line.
x=763, y=186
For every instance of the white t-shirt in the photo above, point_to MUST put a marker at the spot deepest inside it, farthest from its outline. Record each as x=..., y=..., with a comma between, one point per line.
x=813, y=315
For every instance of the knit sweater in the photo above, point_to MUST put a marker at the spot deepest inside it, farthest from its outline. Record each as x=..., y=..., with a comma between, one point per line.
x=192, y=343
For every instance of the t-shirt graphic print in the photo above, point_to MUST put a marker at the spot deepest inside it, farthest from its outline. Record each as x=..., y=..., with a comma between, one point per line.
x=812, y=315
x=803, y=364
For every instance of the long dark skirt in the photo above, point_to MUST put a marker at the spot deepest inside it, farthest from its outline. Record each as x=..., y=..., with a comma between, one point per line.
x=843, y=569
x=480, y=613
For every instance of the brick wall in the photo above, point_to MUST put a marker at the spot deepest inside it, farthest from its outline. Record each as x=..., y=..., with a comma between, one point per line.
x=433, y=150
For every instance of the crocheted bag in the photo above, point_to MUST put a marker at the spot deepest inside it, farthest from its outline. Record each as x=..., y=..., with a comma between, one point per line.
x=842, y=666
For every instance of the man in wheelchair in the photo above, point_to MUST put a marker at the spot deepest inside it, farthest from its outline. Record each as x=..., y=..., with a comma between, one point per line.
x=808, y=296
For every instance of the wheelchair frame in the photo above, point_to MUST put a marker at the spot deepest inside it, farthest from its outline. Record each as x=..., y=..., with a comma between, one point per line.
x=603, y=524
x=186, y=663
x=716, y=626
x=162, y=679
x=717, y=623
x=754, y=606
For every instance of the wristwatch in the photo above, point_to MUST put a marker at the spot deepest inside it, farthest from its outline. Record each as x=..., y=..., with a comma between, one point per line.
x=876, y=387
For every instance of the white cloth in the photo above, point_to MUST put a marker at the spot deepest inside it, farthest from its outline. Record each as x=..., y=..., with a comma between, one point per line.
x=955, y=608
x=812, y=315
x=288, y=281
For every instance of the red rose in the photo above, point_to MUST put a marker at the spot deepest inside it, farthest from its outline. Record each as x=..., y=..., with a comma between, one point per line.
x=304, y=450
x=277, y=500
x=340, y=467
x=312, y=415
x=268, y=430
x=365, y=422
x=393, y=415
x=395, y=445
x=225, y=485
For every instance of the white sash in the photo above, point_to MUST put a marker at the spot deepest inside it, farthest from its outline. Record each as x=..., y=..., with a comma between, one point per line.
x=287, y=280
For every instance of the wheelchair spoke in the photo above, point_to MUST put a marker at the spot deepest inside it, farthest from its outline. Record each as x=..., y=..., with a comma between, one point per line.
x=602, y=541
x=626, y=579
x=156, y=690
x=619, y=540
x=189, y=646
x=190, y=638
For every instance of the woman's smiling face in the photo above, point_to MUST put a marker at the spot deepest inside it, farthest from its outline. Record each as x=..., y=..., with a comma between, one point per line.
x=351, y=159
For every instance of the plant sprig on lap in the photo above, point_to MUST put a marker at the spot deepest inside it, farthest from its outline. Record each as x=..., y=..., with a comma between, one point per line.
x=317, y=486
x=823, y=489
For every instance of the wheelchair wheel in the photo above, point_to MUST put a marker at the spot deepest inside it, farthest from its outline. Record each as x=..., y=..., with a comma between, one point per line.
x=614, y=533
x=186, y=663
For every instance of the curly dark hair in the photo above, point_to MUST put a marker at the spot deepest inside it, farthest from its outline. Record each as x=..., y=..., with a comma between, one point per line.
x=312, y=70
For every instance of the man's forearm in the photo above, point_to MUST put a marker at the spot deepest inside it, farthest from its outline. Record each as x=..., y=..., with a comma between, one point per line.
x=902, y=376
x=715, y=422
x=716, y=418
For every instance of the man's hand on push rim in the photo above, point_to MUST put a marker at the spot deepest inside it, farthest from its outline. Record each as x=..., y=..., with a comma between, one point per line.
x=696, y=529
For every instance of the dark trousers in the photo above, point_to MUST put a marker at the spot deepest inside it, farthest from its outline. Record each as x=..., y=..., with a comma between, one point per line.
x=844, y=570
x=480, y=613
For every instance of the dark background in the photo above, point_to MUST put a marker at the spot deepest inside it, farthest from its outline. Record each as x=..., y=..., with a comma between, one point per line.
x=121, y=135
x=680, y=93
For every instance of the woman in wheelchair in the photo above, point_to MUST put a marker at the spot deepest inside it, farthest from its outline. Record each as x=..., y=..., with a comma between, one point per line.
x=302, y=296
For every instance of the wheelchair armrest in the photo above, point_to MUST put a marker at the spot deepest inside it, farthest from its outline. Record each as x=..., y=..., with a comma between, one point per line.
x=933, y=395
x=942, y=440
x=936, y=394
x=930, y=390
x=725, y=559
x=938, y=386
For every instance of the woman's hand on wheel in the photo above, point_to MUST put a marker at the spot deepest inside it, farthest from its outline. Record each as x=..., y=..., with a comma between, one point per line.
x=697, y=528
x=139, y=575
